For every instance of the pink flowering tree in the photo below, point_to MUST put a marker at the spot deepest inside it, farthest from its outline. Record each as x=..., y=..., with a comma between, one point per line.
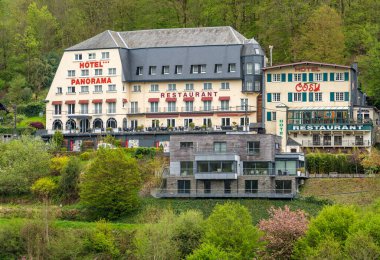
x=282, y=230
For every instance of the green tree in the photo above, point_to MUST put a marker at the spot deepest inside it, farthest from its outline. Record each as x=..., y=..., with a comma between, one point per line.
x=321, y=38
x=57, y=140
x=22, y=162
x=229, y=228
x=69, y=182
x=208, y=252
x=110, y=184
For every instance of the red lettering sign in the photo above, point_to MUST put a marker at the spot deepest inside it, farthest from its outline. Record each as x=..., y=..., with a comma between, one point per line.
x=88, y=81
x=308, y=87
x=188, y=94
x=90, y=64
x=306, y=69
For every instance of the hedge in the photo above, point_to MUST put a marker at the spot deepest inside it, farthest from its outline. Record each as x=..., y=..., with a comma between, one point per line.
x=31, y=109
x=323, y=163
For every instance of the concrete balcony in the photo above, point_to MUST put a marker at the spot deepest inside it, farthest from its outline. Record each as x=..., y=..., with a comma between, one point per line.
x=212, y=155
x=215, y=176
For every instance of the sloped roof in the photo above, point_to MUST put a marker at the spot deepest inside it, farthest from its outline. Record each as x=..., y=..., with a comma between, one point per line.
x=224, y=35
x=292, y=142
x=307, y=63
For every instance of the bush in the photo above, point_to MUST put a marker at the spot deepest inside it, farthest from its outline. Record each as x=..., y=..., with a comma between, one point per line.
x=102, y=241
x=69, y=182
x=44, y=187
x=57, y=140
x=318, y=163
x=208, y=252
x=31, y=109
x=85, y=156
x=57, y=164
x=11, y=243
x=110, y=185
x=37, y=125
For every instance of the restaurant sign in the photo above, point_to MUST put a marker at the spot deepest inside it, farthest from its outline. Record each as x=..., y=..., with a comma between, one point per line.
x=328, y=127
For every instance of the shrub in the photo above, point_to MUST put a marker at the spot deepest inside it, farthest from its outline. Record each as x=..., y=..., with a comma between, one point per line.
x=37, y=125
x=102, y=241
x=31, y=109
x=57, y=140
x=11, y=243
x=44, y=187
x=69, y=182
x=110, y=184
x=85, y=156
x=57, y=164
x=208, y=252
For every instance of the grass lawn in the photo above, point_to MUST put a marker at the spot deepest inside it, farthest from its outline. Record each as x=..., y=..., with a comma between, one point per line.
x=357, y=191
x=28, y=120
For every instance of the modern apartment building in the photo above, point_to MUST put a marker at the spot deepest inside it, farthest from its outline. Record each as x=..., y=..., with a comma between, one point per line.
x=231, y=165
x=150, y=79
x=317, y=105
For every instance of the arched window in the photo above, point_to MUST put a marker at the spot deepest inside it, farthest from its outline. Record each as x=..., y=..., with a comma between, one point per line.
x=57, y=124
x=125, y=124
x=111, y=123
x=70, y=124
x=97, y=123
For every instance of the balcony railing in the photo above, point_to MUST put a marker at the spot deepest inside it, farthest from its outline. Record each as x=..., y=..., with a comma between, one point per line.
x=343, y=143
x=326, y=121
x=187, y=109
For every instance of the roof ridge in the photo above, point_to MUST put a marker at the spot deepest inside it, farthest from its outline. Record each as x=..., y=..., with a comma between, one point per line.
x=171, y=29
x=121, y=38
x=109, y=32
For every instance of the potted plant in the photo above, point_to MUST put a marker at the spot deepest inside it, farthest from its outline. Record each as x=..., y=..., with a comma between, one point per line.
x=234, y=125
x=140, y=128
x=170, y=128
x=203, y=127
x=191, y=125
x=109, y=129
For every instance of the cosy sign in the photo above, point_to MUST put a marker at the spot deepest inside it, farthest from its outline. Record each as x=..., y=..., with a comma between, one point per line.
x=325, y=127
x=189, y=94
x=310, y=87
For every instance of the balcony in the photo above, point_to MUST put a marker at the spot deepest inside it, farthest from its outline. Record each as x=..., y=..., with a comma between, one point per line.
x=216, y=155
x=195, y=109
x=343, y=143
x=215, y=176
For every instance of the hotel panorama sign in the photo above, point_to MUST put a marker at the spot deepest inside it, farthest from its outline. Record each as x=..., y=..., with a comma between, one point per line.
x=328, y=127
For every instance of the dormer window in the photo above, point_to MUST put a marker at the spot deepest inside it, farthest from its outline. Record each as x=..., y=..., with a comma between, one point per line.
x=139, y=71
x=152, y=70
x=232, y=67
x=165, y=69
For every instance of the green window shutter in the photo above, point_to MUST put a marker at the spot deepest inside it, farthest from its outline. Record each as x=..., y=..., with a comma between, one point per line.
x=311, y=77
x=290, y=97
x=325, y=76
x=311, y=95
x=332, y=96
x=332, y=76
x=346, y=96
x=269, y=97
x=346, y=76
x=304, y=77
x=269, y=116
x=290, y=77
x=269, y=77
x=304, y=97
x=283, y=77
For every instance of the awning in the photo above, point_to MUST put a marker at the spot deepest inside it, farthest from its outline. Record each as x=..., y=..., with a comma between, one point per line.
x=111, y=100
x=206, y=98
x=70, y=102
x=56, y=102
x=96, y=101
x=171, y=99
x=188, y=99
x=317, y=108
x=153, y=100
x=83, y=102
x=224, y=98
x=125, y=100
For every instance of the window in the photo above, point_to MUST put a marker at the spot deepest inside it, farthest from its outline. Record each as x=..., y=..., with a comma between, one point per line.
x=134, y=107
x=207, y=86
x=189, y=86
x=84, y=89
x=78, y=56
x=111, y=108
x=203, y=68
x=274, y=116
x=297, y=77
x=111, y=88
x=187, y=122
x=297, y=97
x=170, y=122
x=339, y=96
x=225, y=105
x=183, y=186
x=218, y=68
x=134, y=124
x=105, y=55
x=153, y=107
x=59, y=90
x=165, y=69
x=92, y=56
x=71, y=109
x=337, y=140
x=226, y=121
x=257, y=85
x=243, y=103
x=207, y=122
x=155, y=123
x=318, y=96
x=71, y=89
x=207, y=105
x=71, y=73
x=327, y=140
x=316, y=139
x=189, y=106
x=154, y=88
x=98, y=108
x=257, y=68
x=251, y=186
x=276, y=97
x=112, y=71
x=207, y=186
x=98, y=88
x=186, y=145
x=232, y=67
x=84, y=108
x=172, y=87
x=152, y=70
x=225, y=85
x=249, y=86
x=85, y=73
x=283, y=186
x=98, y=72
x=186, y=168
x=244, y=121
x=359, y=140
x=195, y=69
x=253, y=148
x=112, y=123
x=318, y=76
x=136, y=88
x=257, y=51
x=339, y=76
x=171, y=106
x=277, y=77
x=220, y=147
x=139, y=71
x=227, y=186
x=178, y=69
x=58, y=109
x=249, y=68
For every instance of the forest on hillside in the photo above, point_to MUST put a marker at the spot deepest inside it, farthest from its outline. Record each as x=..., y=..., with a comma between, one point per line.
x=33, y=34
